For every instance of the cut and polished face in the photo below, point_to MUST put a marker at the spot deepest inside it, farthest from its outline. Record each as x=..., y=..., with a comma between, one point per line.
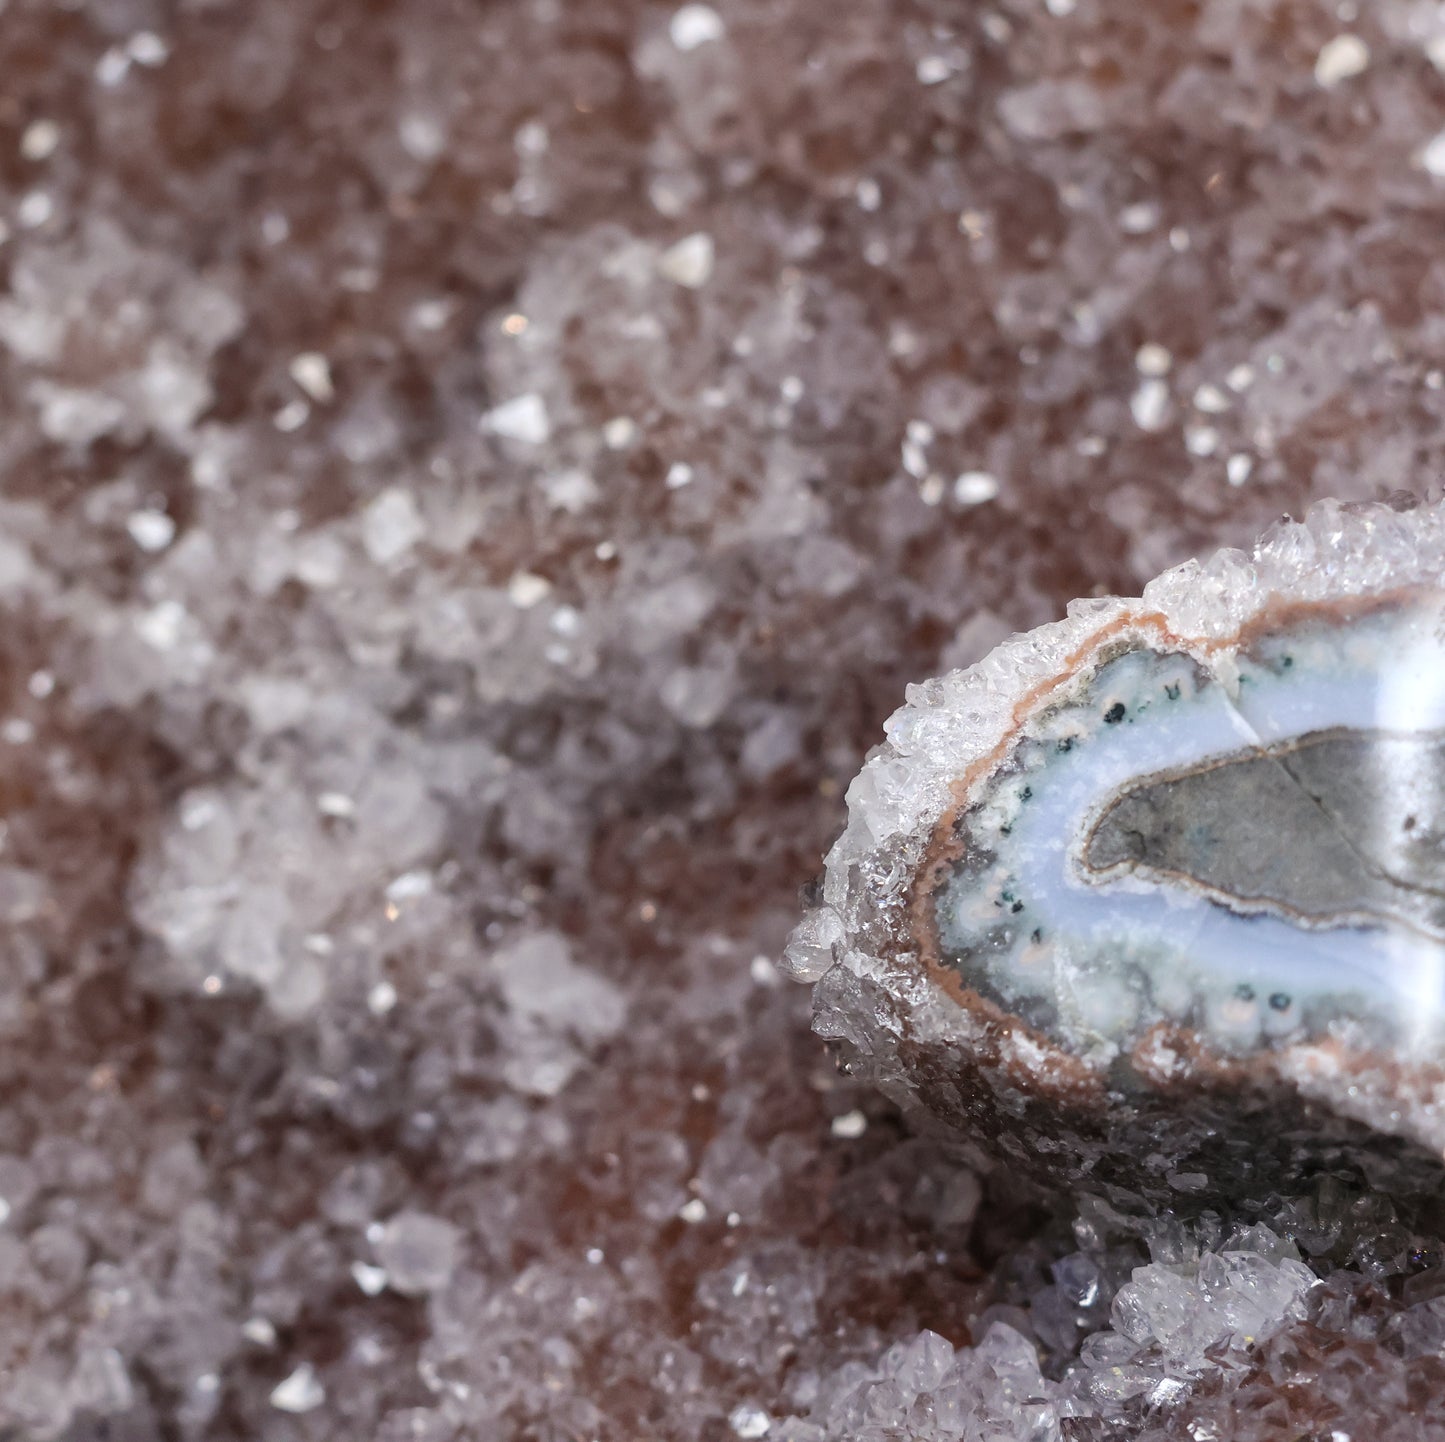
x=1248, y=841
x=1295, y=830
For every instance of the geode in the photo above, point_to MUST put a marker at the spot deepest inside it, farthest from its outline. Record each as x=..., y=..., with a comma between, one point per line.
x=1152, y=900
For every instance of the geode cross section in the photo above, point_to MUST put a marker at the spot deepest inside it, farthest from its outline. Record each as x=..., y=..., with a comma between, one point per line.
x=1156, y=897
x=1245, y=842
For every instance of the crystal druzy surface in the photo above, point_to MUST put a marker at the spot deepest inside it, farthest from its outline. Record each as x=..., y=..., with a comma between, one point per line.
x=1174, y=867
x=473, y=481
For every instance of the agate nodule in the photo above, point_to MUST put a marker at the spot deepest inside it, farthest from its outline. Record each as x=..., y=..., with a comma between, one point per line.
x=1153, y=899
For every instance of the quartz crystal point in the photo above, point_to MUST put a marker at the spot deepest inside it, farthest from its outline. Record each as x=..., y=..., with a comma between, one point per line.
x=1152, y=900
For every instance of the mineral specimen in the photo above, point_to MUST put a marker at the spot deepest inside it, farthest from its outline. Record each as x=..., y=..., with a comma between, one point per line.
x=1157, y=893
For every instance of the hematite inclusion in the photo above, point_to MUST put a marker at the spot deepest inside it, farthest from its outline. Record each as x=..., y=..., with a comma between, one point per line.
x=1155, y=897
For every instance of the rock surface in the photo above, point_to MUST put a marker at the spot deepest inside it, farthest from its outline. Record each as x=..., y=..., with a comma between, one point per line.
x=473, y=481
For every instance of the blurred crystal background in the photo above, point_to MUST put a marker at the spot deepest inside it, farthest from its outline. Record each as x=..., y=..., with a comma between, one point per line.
x=474, y=476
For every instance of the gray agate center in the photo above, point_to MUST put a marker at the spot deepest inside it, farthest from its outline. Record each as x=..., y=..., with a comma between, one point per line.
x=1296, y=829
